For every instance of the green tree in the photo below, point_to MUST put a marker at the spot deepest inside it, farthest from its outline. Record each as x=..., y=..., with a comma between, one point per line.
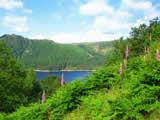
x=50, y=84
x=32, y=86
x=138, y=40
x=15, y=87
x=118, y=53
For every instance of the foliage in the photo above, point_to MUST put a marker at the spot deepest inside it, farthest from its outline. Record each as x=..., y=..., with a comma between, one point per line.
x=16, y=86
x=32, y=112
x=107, y=95
x=137, y=42
x=132, y=98
x=32, y=87
x=118, y=53
x=50, y=84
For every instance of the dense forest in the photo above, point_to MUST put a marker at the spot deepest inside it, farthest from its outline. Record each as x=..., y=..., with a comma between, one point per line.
x=48, y=55
x=127, y=87
x=19, y=86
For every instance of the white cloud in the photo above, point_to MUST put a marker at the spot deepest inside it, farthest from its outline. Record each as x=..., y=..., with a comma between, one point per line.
x=143, y=6
x=10, y=4
x=18, y=24
x=66, y=37
x=110, y=25
x=122, y=15
x=28, y=11
x=96, y=7
x=108, y=22
x=140, y=6
x=136, y=4
x=38, y=37
x=90, y=36
x=139, y=22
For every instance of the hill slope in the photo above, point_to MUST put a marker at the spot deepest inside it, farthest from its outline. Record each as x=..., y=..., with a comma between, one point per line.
x=46, y=54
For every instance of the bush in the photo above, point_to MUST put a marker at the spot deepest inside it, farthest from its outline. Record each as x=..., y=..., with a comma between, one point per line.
x=50, y=84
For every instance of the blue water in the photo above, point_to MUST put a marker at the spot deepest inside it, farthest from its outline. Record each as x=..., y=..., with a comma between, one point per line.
x=68, y=76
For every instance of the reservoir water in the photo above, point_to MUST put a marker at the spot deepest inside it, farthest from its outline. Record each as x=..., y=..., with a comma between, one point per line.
x=68, y=75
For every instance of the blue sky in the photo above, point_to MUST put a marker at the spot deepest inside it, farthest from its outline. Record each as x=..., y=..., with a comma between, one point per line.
x=73, y=21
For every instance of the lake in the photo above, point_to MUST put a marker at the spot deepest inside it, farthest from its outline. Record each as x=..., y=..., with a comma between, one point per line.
x=68, y=75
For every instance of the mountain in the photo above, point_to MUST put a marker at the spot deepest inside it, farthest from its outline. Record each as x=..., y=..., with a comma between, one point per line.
x=49, y=55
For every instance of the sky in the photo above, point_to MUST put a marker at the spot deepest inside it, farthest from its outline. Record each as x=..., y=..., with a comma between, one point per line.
x=75, y=21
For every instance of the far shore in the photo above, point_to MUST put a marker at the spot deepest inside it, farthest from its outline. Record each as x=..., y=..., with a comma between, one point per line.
x=64, y=70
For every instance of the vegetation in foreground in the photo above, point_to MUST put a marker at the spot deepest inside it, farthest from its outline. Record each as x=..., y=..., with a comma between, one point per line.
x=50, y=84
x=18, y=86
x=107, y=94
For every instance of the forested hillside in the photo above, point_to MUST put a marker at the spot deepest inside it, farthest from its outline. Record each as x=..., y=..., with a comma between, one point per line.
x=48, y=55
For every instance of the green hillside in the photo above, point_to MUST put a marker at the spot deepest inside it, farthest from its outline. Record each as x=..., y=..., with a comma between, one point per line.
x=48, y=55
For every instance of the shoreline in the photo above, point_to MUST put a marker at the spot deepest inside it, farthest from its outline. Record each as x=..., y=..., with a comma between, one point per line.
x=64, y=70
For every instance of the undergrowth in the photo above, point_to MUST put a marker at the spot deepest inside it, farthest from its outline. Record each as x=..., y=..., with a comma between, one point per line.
x=105, y=95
